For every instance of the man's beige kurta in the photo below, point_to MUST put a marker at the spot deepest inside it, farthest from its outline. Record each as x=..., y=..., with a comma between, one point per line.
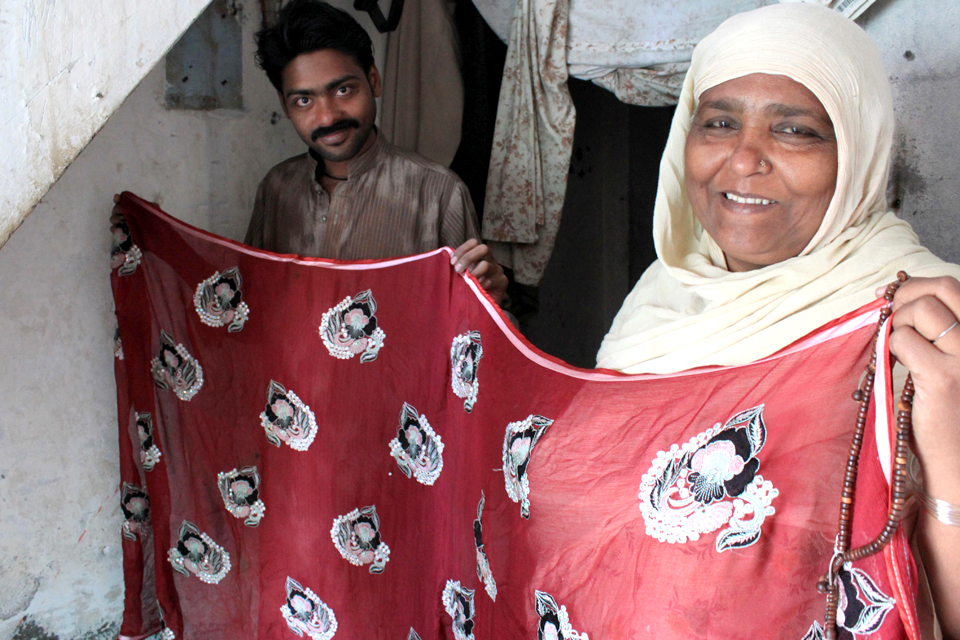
x=393, y=203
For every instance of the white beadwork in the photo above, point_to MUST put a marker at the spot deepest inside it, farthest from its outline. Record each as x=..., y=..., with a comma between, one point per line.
x=344, y=536
x=451, y=604
x=459, y=350
x=332, y=328
x=517, y=483
x=214, y=315
x=305, y=420
x=189, y=377
x=426, y=467
x=216, y=562
x=321, y=625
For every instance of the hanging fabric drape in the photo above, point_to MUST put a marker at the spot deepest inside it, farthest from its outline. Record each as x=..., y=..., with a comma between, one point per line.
x=638, y=50
x=369, y=450
x=422, y=103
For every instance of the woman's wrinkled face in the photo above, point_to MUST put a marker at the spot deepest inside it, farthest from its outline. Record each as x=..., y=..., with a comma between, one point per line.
x=760, y=168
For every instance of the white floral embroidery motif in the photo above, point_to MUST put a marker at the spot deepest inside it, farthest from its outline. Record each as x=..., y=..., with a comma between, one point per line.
x=465, y=354
x=357, y=537
x=518, y=444
x=305, y=613
x=709, y=482
x=198, y=554
x=117, y=344
x=815, y=632
x=124, y=255
x=218, y=300
x=862, y=607
x=554, y=620
x=240, y=490
x=149, y=452
x=165, y=633
x=417, y=449
x=483, y=564
x=458, y=601
x=351, y=328
x=174, y=368
x=287, y=419
x=413, y=635
x=135, y=505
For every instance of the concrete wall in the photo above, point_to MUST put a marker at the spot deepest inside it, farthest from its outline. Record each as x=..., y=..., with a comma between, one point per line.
x=65, y=66
x=920, y=43
x=60, y=562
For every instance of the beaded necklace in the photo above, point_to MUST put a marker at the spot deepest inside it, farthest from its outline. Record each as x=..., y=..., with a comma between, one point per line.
x=843, y=553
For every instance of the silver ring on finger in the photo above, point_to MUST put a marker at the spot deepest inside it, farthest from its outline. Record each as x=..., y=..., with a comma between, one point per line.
x=945, y=331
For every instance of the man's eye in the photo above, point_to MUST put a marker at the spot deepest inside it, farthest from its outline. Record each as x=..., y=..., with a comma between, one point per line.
x=302, y=101
x=342, y=91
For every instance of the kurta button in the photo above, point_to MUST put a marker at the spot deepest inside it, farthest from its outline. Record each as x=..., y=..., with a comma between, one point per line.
x=324, y=218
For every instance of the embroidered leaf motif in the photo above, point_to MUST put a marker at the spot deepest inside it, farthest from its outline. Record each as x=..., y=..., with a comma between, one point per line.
x=351, y=328
x=458, y=603
x=217, y=300
x=518, y=443
x=305, y=613
x=731, y=539
x=554, y=620
x=413, y=635
x=756, y=429
x=465, y=354
x=708, y=483
x=875, y=604
x=357, y=537
x=417, y=449
x=814, y=633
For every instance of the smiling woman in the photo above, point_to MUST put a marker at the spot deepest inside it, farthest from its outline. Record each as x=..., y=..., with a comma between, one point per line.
x=761, y=162
x=771, y=220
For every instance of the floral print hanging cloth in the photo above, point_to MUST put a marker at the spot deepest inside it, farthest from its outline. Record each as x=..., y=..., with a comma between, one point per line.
x=323, y=449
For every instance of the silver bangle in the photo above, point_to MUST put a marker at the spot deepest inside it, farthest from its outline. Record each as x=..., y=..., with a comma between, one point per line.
x=944, y=511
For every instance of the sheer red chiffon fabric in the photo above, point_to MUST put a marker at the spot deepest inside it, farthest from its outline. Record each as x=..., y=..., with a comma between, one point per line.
x=368, y=450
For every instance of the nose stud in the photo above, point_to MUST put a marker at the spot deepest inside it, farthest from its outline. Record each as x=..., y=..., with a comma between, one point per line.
x=763, y=164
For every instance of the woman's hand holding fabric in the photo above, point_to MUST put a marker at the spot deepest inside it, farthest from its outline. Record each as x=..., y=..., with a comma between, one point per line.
x=924, y=309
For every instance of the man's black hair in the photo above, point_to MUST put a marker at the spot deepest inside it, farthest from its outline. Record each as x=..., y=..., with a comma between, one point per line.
x=304, y=26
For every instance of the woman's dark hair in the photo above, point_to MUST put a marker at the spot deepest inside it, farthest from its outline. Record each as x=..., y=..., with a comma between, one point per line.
x=310, y=25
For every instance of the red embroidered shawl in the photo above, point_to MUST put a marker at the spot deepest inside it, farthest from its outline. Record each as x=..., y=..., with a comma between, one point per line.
x=369, y=450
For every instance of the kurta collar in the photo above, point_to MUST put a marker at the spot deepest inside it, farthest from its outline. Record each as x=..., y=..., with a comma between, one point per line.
x=359, y=165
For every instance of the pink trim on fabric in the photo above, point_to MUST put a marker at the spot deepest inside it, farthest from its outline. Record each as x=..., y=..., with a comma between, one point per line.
x=851, y=322
x=901, y=594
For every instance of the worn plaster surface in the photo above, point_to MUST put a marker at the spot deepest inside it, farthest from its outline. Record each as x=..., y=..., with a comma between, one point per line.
x=920, y=44
x=65, y=66
x=60, y=562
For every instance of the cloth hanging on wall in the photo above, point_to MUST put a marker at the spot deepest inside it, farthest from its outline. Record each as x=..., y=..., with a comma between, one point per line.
x=369, y=450
x=422, y=104
x=638, y=50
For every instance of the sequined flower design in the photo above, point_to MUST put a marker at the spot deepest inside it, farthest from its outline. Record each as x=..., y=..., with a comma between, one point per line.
x=518, y=444
x=218, y=300
x=287, y=419
x=350, y=328
x=149, y=451
x=124, y=255
x=483, y=563
x=240, y=490
x=554, y=620
x=465, y=354
x=117, y=344
x=417, y=449
x=458, y=602
x=198, y=554
x=357, y=537
x=135, y=506
x=175, y=369
x=306, y=614
x=862, y=606
x=710, y=482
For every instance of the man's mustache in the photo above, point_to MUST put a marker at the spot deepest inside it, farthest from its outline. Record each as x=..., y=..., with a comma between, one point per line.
x=339, y=125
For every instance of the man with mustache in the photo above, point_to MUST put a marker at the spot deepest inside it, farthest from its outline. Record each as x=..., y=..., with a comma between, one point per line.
x=353, y=195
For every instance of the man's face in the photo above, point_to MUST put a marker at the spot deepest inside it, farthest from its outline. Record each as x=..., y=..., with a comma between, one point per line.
x=330, y=102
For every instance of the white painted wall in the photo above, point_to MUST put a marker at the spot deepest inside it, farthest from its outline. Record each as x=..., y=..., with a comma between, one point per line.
x=60, y=562
x=65, y=66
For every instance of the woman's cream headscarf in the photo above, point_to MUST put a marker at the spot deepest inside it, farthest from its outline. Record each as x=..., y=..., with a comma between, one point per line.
x=688, y=310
